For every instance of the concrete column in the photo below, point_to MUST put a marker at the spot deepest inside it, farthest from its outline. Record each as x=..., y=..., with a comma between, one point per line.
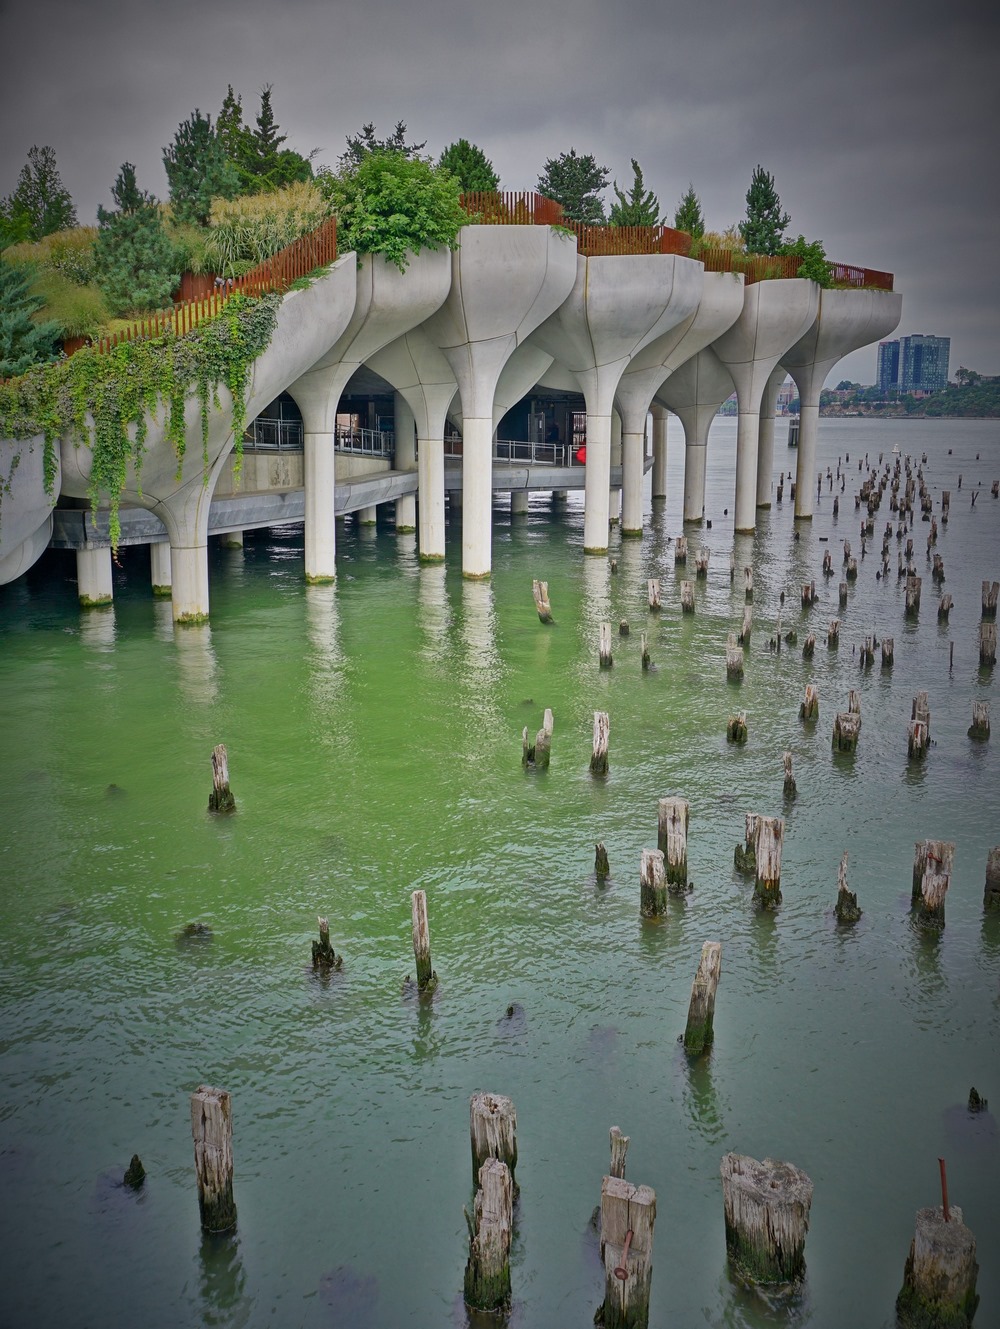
x=430, y=481
x=159, y=569
x=189, y=565
x=632, y=459
x=368, y=516
x=231, y=540
x=805, y=464
x=320, y=495
x=765, y=437
x=477, y=497
x=659, y=452
x=519, y=503
x=597, y=483
x=406, y=460
x=695, y=458
x=93, y=577
x=747, y=433
x=615, y=496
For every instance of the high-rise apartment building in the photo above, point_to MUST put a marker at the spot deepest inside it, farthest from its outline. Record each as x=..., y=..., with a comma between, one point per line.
x=918, y=363
x=888, y=366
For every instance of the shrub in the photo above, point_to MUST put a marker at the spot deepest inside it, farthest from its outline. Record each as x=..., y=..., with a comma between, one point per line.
x=814, y=263
x=247, y=230
x=69, y=252
x=78, y=311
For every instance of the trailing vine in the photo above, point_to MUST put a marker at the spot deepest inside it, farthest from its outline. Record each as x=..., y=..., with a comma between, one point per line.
x=121, y=389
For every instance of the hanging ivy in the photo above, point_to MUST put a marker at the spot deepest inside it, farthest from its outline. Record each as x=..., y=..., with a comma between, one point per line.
x=104, y=401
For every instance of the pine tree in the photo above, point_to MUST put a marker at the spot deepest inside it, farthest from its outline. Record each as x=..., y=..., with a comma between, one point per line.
x=23, y=342
x=230, y=130
x=40, y=204
x=639, y=207
x=263, y=163
x=575, y=182
x=688, y=216
x=136, y=265
x=763, y=230
x=360, y=145
x=471, y=167
x=198, y=170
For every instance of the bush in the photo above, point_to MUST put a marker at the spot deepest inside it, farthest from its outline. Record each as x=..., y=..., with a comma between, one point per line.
x=728, y=239
x=69, y=252
x=247, y=230
x=79, y=311
x=814, y=264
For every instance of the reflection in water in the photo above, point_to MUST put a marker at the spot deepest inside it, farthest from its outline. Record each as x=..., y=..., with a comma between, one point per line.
x=596, y=607
x=764, y=930
x=223, y=1282
x=702, y=1100
x=426, y=1037
x=326, y=674
x=631, y=577
x=406, y=548
x=163, y=620
x=926, y=986
x=745, y=1307
x=197, y=666
x=483, y=669
x=435, y=611
x=97, y=628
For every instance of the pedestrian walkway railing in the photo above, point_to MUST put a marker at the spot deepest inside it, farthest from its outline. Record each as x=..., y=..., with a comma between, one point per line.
x=369, y=442
x=522, y=451
x=273, y=436
x=508, y=208
x=765, y=267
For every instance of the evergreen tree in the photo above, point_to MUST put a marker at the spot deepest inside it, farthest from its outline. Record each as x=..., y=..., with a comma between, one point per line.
x=765, y=223
x=40, y=204
x=688, y=216
x=360, y=145
x=639, y=207
x=575, y=182
x=136, y=265
x=471, y=167
x=198, y=170
x=23, y=342
x=263, y=163
x=230, y=130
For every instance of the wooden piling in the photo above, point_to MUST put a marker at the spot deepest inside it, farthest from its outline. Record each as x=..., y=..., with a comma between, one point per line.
x=916, y=740
x=324, y=957
x=644, y=650
x=767, y=882
x=493, y=1132
x=619, y=1149
x=699, y=1030
x=623, y=628
x=851, y=574
x=809, y=707
x=847, y=552
x=487, y=1272
x=944, y=607
x=842, y=593
x=732, y=564
x=846, y=728
x=736, y=729
x=135, y=1174
x=790, y=789
x=628, y=1214
x=426, y=977
x=987, y=643
x=767, y=1217
x=599, y=754
x=991, y=895
x=932, y=866
x=537, y=754
x=912, y=595
x=888, y=652
x=980, y=727
x=221, y=798
x=734, y=659
x=746, y=626
x=867, y=653
x=540, y=590
x=687, y=597
x=602, y=868
x=846, y=908
x=212, y=1132
x=680, y=550
x=937, y=570
x=653, y=592
x=652, y=884
x=990, y=592
x=745, y=855
x=673, y=819
x=748, y=583
x=808, y=594
x=701, y=562
x=939, y=1279
x=605, y=658
x=809, y=646
x=921, y=710
x=827, y=564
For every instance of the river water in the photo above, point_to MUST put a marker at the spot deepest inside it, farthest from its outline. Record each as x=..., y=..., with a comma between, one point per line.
x=374, y=742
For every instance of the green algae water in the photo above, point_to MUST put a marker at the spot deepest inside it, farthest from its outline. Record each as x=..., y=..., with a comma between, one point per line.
x=374, y=737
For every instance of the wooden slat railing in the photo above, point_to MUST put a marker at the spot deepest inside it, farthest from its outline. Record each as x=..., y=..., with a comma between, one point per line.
x=866, y=278
x=509, y=208
x=599, y=241
x=764, y=267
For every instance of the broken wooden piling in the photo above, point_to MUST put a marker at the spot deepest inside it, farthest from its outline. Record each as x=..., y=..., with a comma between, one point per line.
x=652, y=884
x=851, y=572
x=921, y=710
x=493, y=1132
x=537, y=754
x=687, y=597
x=944, y=607
x=767, y=881
x=809, y=646
x=808, y=594
x=628, y=1214
x=653, y=593
x=767, y=1217
x=746, y=627
x=916, y=740
x=912, y=595
x=673, y=819
x=991, y=895
x=602, y=868
x=980, y=727
x=619, y=1150
x=846, y=908
x=540, y=591
x=939, y=1278
x=487, y=1271
x=987, y=643
x=212, y=1132
x=644, y=653
x=748, y=583
x=701, y=562
x=867, y=653
x=990, y=593
x=736, y=728
x=790, y=789
x=605, y=658
x=932, y=866
x=324, y=957
x=745, y=855
x=680, y=550
x=809, y=706
x=846, y=728
x=734, y=659
x=699, y=1031
x=888, y=652
x=599, y=753
x=426, y=977
x=221, y=798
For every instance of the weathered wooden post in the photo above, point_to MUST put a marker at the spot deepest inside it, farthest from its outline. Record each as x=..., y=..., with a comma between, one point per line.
x=699, y=1030
x=846, y=908
x=912, y=595
x=623, y=627
x=888, y=652
x=745, y=855
x=767, y=1217
x=221, y=798
x=827, y=564
x=867, y=653
x=991, y=895
x=680, y=550
x=987, y=643
x=916, y=740
x=324, y=957
x=644, y=653
x=767, y=883
x=990, y=592
x=932, y=865
x=653, y=591
x=687, y=597
x=736, y=729
x=135, y=1174
x=426, y=977
x=846, y=728
x=212, y=1131
x=599, y=755
x=809, y=707
x=808, y=594
x=851, y=573
x=732, y=563
x=854, y=701
x=628, y=1214
x=540, y=590
x=487, y=1272
x=701, y=562
x=847, y=552
x=937, y=571
x=921, y=710
x=652, y=884
x=748, y=583
x=493, y=1132
x=944, y=607
x=604, y=647
x=673, y=818
x=734, y=659
x=790, y=789
x=619, y=1149
x=939, y=1279
x=746, y=626
x=537, y=754
x=980, y=727
x=809, y=646
x=602, y=868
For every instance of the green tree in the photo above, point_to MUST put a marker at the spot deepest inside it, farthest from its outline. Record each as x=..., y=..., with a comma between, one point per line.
x=575, y=182
x=264, y=164
x=230, y=130
x=360, y=145
x=136, y=265
x=814, y=263
x=763, y=229
x=23, y=342
x=688, y=216
x=640, y=207
x=394, y=204
x=198, y=170
x=470, y=167
x=40, y=203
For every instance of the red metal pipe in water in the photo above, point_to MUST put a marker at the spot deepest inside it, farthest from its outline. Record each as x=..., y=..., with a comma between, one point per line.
x=622, y=1270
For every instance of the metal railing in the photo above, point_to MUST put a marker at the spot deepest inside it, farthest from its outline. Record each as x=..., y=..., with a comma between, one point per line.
x=765, y=267
x=369, y=442
x=508, y=208
x=600, y=241
x=523, y=451
x=273, y=436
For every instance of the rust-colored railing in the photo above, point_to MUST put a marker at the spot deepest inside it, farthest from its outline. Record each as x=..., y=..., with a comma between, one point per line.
x=276, y=273
x=844, y=274
x=508, y=208
x=763, y=267
x=598, y=241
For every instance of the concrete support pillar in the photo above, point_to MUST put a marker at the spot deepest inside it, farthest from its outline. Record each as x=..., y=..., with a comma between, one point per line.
x=805, y=464
x=320, y=494
x=632, y=460
x=231, y=540
x=159, y=569
x=747, y=434
x=765, y=437
x=93, y=577
x=597, y=484
x=615, y=497
x=695, y=458
x=430, y=482
x=406, y=460
x=659, y=452
x=189, y=565
x=519, y=503
x=368, y=516
x=477, y=497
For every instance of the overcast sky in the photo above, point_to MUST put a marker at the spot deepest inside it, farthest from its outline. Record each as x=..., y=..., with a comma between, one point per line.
x=879, y=121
